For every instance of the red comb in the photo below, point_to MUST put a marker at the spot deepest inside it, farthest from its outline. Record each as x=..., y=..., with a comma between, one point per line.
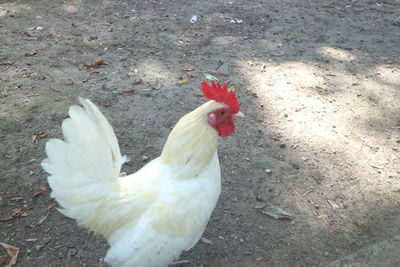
x=220, y=93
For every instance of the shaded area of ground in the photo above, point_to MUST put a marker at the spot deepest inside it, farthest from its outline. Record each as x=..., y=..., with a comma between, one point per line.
x=318, y=81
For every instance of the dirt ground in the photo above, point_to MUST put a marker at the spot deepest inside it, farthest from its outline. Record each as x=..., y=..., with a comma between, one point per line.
x=319, y=82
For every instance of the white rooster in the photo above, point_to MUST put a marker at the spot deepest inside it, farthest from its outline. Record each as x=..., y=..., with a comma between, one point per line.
x=150, y=217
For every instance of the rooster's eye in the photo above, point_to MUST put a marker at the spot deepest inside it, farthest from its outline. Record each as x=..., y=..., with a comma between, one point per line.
x=222, y=112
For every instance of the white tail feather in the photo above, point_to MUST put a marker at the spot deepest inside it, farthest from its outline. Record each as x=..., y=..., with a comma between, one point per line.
x=84, y=168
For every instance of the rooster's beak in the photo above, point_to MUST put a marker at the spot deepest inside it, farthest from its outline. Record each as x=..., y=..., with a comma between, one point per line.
x=238, y=115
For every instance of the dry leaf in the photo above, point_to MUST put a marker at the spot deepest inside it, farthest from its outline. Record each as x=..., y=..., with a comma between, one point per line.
x=6, y=63
x=254, y=94
x=207, y=241
x=183, y=81
x=219, y=73
x=93, y=70
x=322, y=217
x=126, y=17
x=128, y=91
x=106, y=103
x=69, y=83
x=138, y=81
x=190, y=75
x=40, y=190
x=97, y=63
x=188, y=69
x=17, y=212
x=275, y=212
x=38, y=135
x=12, y=252
x=51, y=206
x=34, y=52
x=361, y=225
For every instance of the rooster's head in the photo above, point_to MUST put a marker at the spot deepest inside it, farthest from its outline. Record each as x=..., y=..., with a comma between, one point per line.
x=222, y=119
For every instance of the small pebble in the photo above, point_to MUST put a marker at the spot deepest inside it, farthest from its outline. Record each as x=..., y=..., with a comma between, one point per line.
x=268, y=171
x=193, y=19
x=145, y=158
x=73, y=251
x=295, y=165
x=259, y=198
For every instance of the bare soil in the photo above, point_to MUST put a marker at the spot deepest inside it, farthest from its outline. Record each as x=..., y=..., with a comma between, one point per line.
x=319, y=82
